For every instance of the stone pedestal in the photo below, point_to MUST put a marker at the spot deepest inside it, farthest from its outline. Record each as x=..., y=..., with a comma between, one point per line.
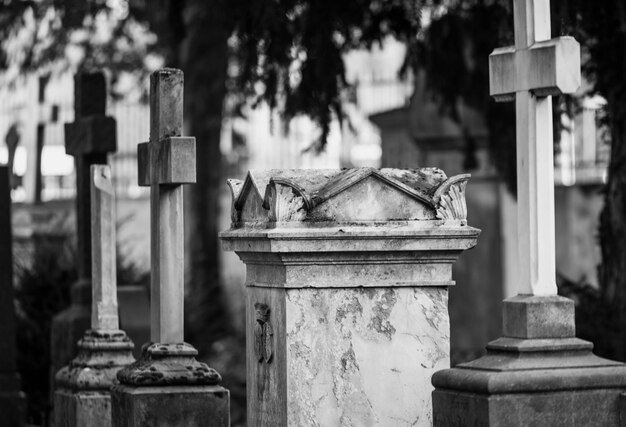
x=167, y=386
x=538, y=374
x=189, y=406
x=347, y=291
x=83, y=387
x=69, y=326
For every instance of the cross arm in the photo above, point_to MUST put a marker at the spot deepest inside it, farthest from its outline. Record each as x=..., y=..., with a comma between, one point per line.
x=90, y=135
x=547, y=68
x=172, y=161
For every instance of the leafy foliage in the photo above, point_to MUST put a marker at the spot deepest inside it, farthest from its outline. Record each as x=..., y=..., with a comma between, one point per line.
x=294, y=48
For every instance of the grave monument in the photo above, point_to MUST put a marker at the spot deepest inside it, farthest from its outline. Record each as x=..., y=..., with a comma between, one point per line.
x=168, y=386
x=83, y=387
x=538, y=373
x=346, y=291
x=89, y=139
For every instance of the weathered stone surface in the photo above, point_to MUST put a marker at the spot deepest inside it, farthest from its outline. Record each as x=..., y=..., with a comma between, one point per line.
x=172, y=406
x=89, y=139
x=351, y=195
x=87, y=408
x=555, y=381
x=538, y=317
x=101, y=355
x=350, y=351
x=168, y=364
x=347, y=283
x=552, y=409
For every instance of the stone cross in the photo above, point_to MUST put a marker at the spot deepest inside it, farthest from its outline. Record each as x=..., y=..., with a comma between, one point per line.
x=104, y=287
x=529, y=73
x=89, y=139
x=165, y=163
x=168, y=385
x=12, y=402
x=83, y=387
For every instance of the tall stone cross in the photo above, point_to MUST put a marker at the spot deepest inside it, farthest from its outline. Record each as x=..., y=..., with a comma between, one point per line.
x=529, y=73
x=89, y=139
x=104, y=315
x=145, y=396
x=83, y=386
x=165, y=163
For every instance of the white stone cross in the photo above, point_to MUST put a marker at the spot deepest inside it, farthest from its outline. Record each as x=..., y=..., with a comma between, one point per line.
x=530, y=72
x=104, y=288
x=166, y=162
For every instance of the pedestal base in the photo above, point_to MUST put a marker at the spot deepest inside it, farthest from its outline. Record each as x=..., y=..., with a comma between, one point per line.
x=69, y=326
x=83, y=408
x=169, y=387
x=83, y=394
x=12, y=401
x=539, y=375
x=172, y=406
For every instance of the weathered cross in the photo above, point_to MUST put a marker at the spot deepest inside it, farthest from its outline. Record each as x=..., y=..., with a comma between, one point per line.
x=530, y=73
x=89, y=139
x=104, y=287
x=165, y=163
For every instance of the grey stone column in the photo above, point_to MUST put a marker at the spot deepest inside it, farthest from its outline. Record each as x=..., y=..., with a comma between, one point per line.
x=347, y=291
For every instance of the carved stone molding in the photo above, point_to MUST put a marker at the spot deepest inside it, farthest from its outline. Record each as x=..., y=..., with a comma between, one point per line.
x=101, y=355
x=450, y=199
x=168, y=364
x=263, y=333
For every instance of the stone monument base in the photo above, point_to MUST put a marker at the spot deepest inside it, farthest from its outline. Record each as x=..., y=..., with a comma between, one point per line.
x=83, y=397
x=69, y=326
x=173, y=406
x=537, y=374
x=12, y=401
x=83, y=408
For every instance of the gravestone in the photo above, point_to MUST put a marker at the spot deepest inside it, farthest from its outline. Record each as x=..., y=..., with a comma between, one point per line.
x=347, y=291
x=83, y=387
x=539, y=373
x=168, y=386
x=12, y=400
x=89, y=139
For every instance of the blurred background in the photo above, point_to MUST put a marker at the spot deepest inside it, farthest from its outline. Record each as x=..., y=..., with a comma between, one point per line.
x=305, y=84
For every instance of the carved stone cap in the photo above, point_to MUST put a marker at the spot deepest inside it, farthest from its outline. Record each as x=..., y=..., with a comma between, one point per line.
x=348, y=196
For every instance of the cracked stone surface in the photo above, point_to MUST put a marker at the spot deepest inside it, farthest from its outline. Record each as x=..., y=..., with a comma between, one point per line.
x=364, y=357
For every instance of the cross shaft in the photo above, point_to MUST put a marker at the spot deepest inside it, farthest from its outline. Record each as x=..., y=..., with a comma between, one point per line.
x=165, y=163
x=104, y=287
x=530, y=73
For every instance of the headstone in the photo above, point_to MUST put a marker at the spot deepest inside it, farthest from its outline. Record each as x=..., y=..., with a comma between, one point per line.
x=89, y=139
x=12, y=400
x=347, y=291
x=168, y=386
x=539, y=373
x=83, y=387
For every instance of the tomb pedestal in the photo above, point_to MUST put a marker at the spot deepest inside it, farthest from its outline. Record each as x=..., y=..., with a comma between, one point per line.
x=538, y=374
x=347, y=291
x=168, y=386
x=83, y=387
